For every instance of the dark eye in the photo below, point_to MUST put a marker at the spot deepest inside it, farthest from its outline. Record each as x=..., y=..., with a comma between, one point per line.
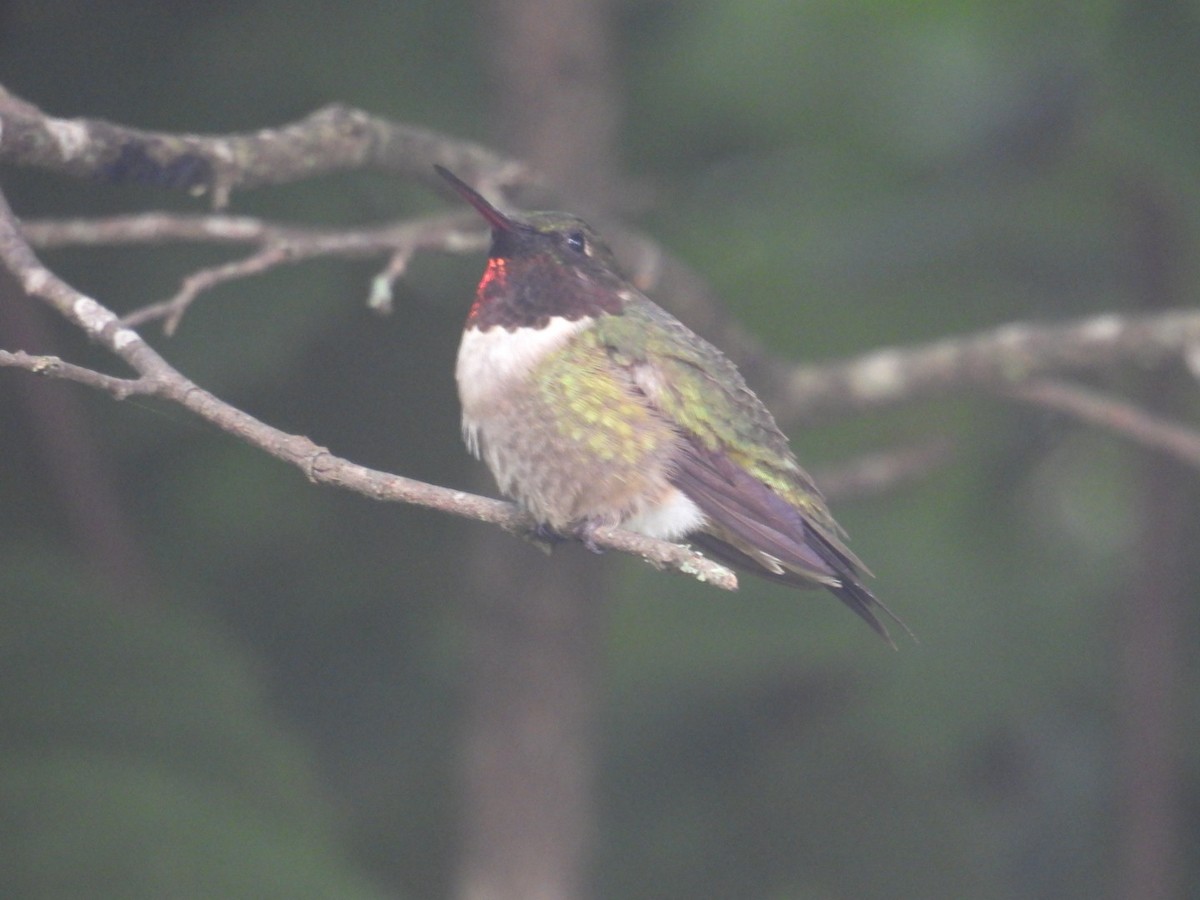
x=576, y=241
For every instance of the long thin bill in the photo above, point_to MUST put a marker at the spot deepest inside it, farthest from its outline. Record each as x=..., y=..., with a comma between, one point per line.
x=494, y=217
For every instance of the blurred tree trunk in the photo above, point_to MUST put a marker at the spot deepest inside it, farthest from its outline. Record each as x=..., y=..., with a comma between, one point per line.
x=536, y=624
x=1150, y=782
x=555, y=93
x=73, y=462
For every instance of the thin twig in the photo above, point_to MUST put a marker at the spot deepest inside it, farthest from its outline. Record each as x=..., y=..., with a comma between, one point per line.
x=156, y=228
x=874, y=473
x=1116, y=415
x=171, y=311
x=53, y=367
x=277, y=245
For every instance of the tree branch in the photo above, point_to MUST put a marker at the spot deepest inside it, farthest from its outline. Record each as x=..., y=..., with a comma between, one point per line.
x=53, y=367
x=331, y=139
x=1004, y=357
x=158, y=378
x=1115, y=415
x=874, y=473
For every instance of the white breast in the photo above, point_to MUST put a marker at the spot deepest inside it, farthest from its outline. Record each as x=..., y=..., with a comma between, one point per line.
x=491, y=362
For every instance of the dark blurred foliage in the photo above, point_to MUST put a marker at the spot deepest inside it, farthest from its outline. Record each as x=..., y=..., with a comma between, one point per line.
x=258, y=693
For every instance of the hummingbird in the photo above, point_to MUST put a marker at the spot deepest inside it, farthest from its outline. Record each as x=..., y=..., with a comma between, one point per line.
x=593, y=406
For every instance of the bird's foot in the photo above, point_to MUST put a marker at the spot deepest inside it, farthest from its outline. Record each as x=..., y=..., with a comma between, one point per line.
x=544, y=537
x=586, y=532
x=548, y=537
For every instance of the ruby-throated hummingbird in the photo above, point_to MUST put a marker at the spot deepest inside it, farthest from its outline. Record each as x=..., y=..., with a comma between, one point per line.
x=594, y=406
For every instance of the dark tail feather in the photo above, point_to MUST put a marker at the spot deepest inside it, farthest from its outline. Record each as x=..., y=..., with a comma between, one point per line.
x=851, y=591
x=745, y=511
x=864, y=603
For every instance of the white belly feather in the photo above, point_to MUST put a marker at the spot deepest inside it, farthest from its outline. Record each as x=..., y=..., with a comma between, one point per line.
x=669, y=520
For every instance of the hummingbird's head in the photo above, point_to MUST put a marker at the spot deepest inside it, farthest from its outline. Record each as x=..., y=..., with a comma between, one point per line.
x=541, y=265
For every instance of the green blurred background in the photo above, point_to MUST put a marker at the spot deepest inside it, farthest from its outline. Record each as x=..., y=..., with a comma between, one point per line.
x=219, y=680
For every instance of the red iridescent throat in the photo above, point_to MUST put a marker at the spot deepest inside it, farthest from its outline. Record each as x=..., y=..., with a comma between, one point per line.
x=494, y=278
